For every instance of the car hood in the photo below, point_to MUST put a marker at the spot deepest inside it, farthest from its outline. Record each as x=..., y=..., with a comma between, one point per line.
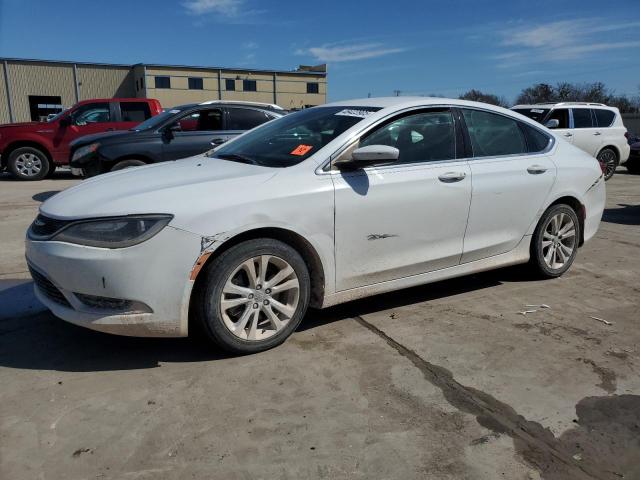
x=96, y=137
x=182, y=188
x=24, y=125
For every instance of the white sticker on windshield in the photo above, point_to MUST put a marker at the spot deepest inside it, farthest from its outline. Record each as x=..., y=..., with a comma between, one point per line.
x=350, y=112
x=535, y=110
x=174, y=111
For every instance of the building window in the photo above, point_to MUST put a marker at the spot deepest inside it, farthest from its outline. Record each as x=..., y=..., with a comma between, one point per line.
x=313, y=87
x=195, y=83
x=230, y=84
x=249, y=85
x=163, y=82
x=42, y=106
x=141, y=83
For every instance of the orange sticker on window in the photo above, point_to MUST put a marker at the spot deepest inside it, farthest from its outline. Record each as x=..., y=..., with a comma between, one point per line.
x=301, y=150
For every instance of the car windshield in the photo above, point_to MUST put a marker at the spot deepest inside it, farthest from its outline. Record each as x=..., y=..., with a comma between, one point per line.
x=289, y=140
x=537, y=114
x=159, y=119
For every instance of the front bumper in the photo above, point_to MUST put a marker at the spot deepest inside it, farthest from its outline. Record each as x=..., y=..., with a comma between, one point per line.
x=154, y=277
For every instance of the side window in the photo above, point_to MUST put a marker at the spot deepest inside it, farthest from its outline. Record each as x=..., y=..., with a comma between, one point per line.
x=134, y=111
x=604, y=118
x=582, y=118
x=92, y=113
x=562, y=115
x=492, y=134
x=420, y=137
x=202, y=121
x=536, y=140
x=245, y=118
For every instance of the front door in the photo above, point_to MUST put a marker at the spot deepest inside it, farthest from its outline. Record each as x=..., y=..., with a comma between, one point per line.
x=406, y=218
x=87, y=119
x=510, y=182
x=193, y=133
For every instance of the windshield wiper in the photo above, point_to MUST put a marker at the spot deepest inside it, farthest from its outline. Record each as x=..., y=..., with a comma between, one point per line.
x=235, y=158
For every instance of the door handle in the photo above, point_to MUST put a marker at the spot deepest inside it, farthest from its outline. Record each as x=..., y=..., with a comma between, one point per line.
x=451, y=177
x=568, y=134
x=597, y=133
x=536, y=169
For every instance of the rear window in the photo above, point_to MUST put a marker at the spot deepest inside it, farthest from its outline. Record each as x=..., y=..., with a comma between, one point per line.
x=245, y=118
x=492, y=134
x=582, y=118
x=134, y=111
x=604, y=118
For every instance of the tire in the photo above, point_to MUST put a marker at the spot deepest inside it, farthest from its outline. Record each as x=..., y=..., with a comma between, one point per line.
x=28, y=163
x=235, y=328
x=545, y=241
x=633, y=167
x=122, y=164
x=608, y=159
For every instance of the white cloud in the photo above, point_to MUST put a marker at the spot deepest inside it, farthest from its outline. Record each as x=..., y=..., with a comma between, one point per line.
x=229, y=8
x=347, y=53
x=562, y=40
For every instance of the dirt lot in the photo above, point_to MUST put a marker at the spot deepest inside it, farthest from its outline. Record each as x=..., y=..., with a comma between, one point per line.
x=445, y=381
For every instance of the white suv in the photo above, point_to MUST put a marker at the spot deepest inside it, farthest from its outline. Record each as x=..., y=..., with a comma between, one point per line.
x=594, y=127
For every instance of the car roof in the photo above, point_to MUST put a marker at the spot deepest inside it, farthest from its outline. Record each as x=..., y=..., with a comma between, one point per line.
x=563, y=104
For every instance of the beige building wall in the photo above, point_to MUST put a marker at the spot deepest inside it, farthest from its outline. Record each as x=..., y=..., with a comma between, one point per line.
x=98, y=81
x=39, y=79
x=4, y=101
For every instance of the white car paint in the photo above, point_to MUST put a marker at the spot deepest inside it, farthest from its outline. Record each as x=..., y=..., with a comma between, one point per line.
x=373, y=230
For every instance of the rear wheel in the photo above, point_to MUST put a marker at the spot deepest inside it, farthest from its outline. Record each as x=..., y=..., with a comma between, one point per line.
x=28, y=163
x=608, y=162
x=253, y=296
x=554, y=245
x=122, y=164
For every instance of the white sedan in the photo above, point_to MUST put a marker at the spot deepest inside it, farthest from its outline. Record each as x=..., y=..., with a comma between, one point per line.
x=317, y=208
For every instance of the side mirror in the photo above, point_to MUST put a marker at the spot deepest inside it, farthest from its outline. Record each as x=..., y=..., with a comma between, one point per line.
x=176, y=127
x=553, y=123
x=370, y=155
x=65, y=121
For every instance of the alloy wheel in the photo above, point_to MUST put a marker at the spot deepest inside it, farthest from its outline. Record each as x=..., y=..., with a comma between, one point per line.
x=607, y=161
x=259, y=298
x=28, y=164
x=558, y=241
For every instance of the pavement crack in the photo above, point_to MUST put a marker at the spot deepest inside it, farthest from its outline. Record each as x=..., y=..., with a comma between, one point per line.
x=537, y=445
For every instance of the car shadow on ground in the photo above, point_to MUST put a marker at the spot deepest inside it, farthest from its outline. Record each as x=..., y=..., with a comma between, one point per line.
x=624, y=215
x=44, y=342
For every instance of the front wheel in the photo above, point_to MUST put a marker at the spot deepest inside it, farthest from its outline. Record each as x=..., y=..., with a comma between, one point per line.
x=608, y=162
x=554, y=245
x=253, y=296
x=28, y=163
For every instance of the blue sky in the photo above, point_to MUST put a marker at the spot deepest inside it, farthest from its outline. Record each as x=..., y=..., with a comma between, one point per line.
x=418, y=47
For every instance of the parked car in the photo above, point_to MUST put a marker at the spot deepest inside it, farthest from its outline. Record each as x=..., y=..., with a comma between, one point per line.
x=319, y=207
x=32, y=150
x=594, y=127
x=179, y=132
x=633, y=162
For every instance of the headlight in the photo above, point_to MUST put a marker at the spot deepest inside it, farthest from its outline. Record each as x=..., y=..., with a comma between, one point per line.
x=117, y=232
x=84, y=151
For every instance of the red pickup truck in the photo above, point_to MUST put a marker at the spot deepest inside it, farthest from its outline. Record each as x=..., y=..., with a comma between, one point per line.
x=32, y=150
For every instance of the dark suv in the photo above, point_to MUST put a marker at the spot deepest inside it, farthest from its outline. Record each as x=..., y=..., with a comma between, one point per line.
x=179, y=132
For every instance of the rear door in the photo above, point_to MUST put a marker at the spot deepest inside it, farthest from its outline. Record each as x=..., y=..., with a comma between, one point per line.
x=87, y=119
x=511, y=176
x=409, y=217
x=192, y=133
x=586, y=134
x=132, y=114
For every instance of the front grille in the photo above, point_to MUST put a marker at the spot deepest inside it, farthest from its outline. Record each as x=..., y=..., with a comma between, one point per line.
x=48, y=288
x=44, y=226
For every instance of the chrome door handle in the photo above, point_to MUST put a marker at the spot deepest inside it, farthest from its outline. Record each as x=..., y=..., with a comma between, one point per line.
x=451, y=177
x=568, y=134
x=597, y=133
x=536, y=169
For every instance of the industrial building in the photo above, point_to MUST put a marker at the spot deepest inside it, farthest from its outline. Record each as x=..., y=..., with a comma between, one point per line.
x=32, y=89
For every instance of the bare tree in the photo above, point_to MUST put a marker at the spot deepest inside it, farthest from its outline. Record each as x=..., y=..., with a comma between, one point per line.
x=478, y=96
